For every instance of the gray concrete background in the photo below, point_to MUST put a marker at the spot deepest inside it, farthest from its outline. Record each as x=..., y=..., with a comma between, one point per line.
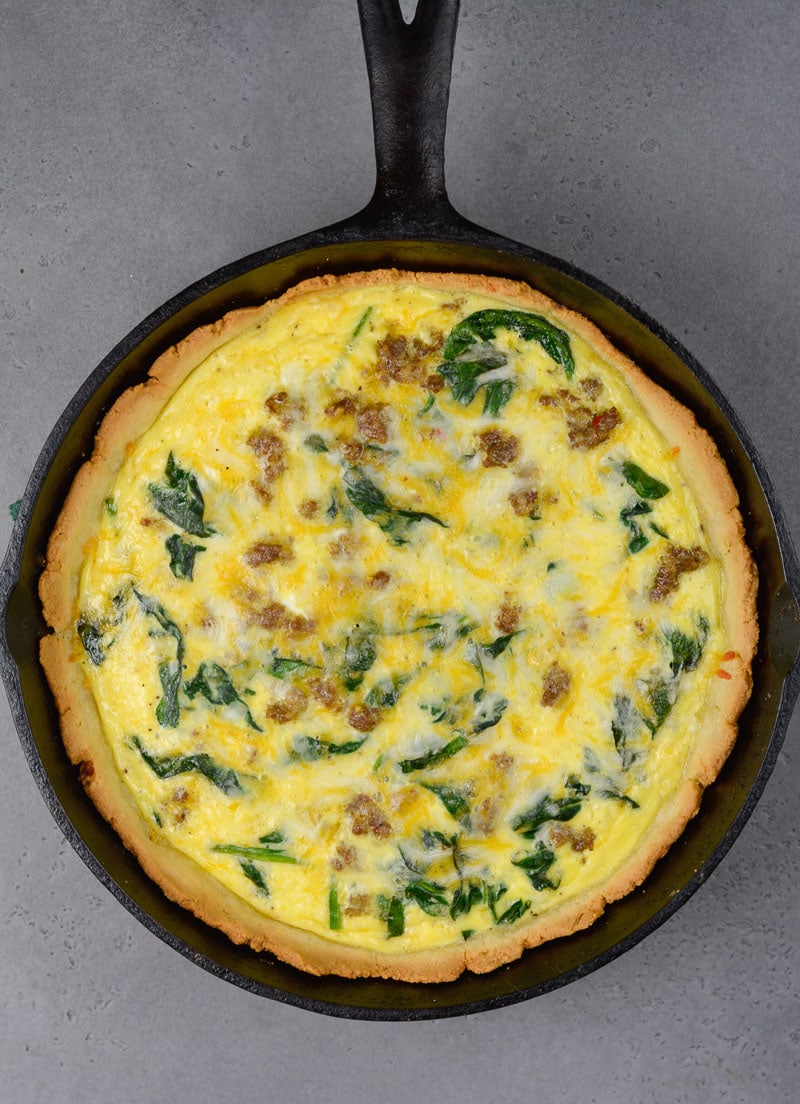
x=144, y=144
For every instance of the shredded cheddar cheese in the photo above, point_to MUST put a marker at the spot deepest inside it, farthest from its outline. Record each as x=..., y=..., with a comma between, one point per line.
x=401, y=616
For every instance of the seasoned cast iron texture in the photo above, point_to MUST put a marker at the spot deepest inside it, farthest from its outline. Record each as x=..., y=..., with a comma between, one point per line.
x=409, y=223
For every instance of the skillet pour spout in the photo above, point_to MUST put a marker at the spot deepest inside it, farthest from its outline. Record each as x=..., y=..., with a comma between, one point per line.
x=408, y=223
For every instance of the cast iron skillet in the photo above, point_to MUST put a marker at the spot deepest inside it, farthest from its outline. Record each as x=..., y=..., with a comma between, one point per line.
x=408, y=223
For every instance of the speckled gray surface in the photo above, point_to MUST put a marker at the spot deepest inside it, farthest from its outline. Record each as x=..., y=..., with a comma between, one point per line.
x=654, y=145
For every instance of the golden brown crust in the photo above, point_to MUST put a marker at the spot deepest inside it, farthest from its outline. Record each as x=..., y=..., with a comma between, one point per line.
x=178, y=876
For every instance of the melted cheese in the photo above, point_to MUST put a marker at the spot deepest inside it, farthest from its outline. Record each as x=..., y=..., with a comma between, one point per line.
x=443, y=623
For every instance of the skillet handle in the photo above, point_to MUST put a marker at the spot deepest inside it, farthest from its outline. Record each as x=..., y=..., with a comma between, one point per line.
x=409, y=67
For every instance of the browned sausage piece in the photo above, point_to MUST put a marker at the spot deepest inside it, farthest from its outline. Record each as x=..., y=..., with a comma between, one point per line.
x=267, y=552
x=283, y=408
x=344, y=855
x=269, y=616
x=403, y=360
x=676, y=561
x=363, y=717
x=556, y=684
x=507, y=618
x=579, y=840
x=371, y=422
x=587, y=429
x=366, y=817
x=499, y=449
x=326, y=693
x=266, y=445
x=287, y=708
x=524, y=501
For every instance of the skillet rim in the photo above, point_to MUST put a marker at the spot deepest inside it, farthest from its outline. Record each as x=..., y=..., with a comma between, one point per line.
x=409, y=70
x=357, y=234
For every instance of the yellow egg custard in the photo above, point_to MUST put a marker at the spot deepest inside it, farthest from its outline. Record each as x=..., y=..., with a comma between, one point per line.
x=399, y=624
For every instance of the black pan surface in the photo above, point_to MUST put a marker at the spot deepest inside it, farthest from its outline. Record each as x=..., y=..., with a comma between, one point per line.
x=408, y=223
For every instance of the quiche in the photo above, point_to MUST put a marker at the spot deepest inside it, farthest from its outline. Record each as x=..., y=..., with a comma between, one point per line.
x=399, y=623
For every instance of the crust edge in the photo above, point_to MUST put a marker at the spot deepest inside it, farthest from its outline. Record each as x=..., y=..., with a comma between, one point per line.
x=131, y=415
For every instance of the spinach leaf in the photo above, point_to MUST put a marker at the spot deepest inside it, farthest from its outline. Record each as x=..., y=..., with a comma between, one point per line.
x=282, y=666
x=536, y=866
x=687, y=651
x=467, y=375
x=465, y=897
x=167, y=766
x=311, y=748
x=91, y=636
x=94, y=635
x=639, y=539
x=171, y=671
x=255, y=854
x=498, y=646
x=360, y=653
x=181, y=556
x=390, y=909
x=386, y=693
x=334, y=506
x=548, y=808
x=615, y=795
x=428, y=895
x=251, y=871
x=180, y=499
x=482, y=326
x=373, y=504
x=434, y=757
x=315, y=443
x=625, y=726
x=464, y=377
x=574, y=783
x=661, y=696
x=445, y=630
x=646, y=486
x=214, y=684
x=416, y=866
x=441, y=711
x=497, y=396
x=361, y=324
x=168, y=711
x=13, y=509
x=454, y=800
x=154, y=609
x=334, y=910
x=636, y=509
x=591, y=761
x=627, y=516
x=514, y=911
x=432, y=839
x=493, y=895
x=489, y=712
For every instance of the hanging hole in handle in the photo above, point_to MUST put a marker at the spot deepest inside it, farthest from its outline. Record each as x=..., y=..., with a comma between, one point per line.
x=408, y=9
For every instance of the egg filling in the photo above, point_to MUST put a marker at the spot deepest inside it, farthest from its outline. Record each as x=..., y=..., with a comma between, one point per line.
x=401, y=616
